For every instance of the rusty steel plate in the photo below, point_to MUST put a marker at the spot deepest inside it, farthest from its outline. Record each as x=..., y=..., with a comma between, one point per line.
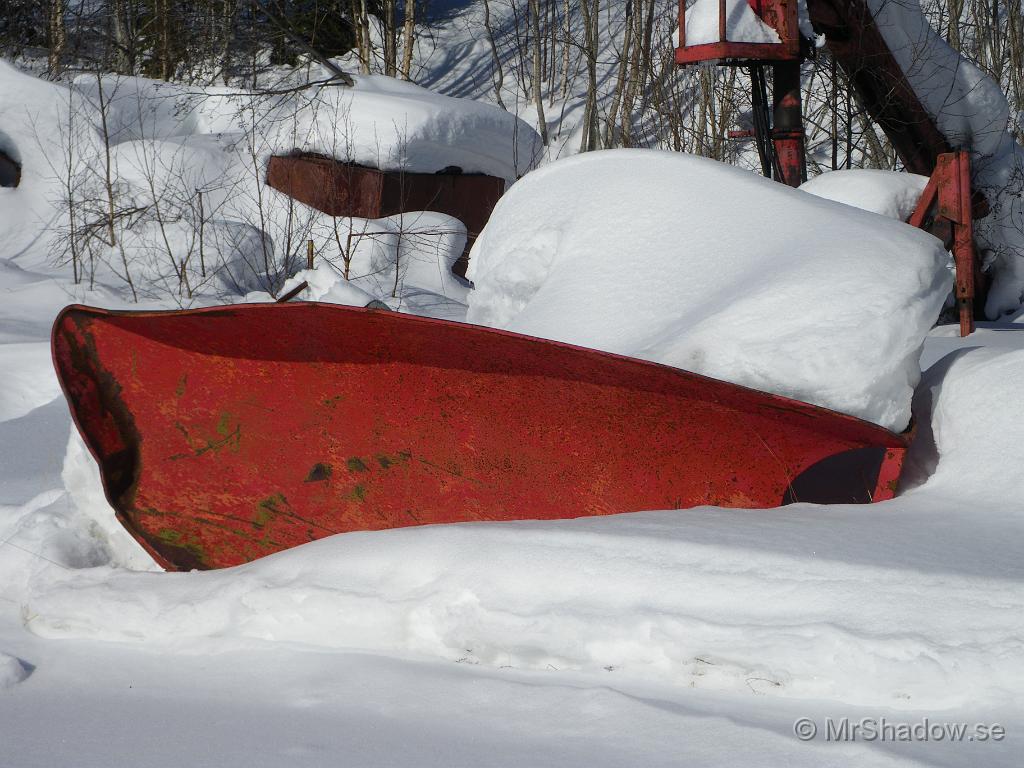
x=229, y=433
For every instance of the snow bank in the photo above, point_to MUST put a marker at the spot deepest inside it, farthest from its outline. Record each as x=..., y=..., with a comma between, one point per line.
x=190, y=160
x=33, y=132
x=27, y=380
x=698, y=265
x=887, y=193
x=380, y=122
x=403, y=262
x=970, y=448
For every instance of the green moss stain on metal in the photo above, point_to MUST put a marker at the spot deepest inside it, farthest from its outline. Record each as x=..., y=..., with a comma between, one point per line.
x=319, y=472
x=224, y=424
x=356, y=464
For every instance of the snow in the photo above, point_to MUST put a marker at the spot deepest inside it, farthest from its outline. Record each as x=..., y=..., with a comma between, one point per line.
x=33, y=131
x=379, y=122
x=968, y=106
x=170, y=143
x=669, y=597
x=406, y=265
x=12, y=671
x=742, y=25
x=887, y=193
x=697, y=265
x=22, y=368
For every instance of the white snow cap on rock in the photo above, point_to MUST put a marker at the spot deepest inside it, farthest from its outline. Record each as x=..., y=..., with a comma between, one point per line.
x=692, y=263
x=888, y=193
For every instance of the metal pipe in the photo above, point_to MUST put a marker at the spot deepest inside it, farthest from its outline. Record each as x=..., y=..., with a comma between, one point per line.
x=787, y=123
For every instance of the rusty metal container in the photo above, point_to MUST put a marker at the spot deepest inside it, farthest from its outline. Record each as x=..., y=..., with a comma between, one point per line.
x=347, y=189
x=230, y=433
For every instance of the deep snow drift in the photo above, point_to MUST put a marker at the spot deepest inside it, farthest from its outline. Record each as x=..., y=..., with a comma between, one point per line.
x=709, y=268
x=887, y=193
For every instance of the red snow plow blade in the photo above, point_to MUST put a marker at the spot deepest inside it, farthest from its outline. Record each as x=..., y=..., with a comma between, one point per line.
x=230, y=433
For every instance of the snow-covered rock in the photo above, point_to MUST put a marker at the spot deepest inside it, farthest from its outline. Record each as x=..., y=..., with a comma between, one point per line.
x=887, y=193
x=691, y=263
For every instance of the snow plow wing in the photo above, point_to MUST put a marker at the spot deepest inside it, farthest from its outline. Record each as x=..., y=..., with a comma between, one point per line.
x=229, y=433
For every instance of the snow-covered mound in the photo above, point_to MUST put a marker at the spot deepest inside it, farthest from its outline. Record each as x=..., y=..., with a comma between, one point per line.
x=887, y=193
x=701, y=266
x=379, y=121
x=970, y=445
x=405, y=263
x=12, y=671
x=34, y=131
x=194, y=220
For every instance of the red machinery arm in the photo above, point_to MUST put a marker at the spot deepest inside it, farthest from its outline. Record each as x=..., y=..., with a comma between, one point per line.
x=860, y=50
x=862, y=53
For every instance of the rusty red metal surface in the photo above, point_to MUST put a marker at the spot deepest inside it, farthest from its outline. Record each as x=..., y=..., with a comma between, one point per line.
x=229, y=433
x=946, y=208
x=347, y=189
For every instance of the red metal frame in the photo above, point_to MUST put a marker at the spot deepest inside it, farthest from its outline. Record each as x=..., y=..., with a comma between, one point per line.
x=781, y=15
x=347, y=189
x=945, y=209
